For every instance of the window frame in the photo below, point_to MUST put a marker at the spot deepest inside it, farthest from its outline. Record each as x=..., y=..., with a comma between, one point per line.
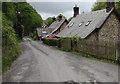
x=80, y=24
x=88, y=23
x=71, y=24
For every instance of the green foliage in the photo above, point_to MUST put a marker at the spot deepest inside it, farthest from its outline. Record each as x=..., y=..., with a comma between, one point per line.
x=51, y=41
x=10, y=48
x=8, y=8
x=48, y=21
x=29, y=18
x=60, y=15
x=99, y=6
x=22, y=31
x=18, y=19
x=102, y=5
x=34, y=35
x=22, y=14
x=69, y=19
x=117, y=5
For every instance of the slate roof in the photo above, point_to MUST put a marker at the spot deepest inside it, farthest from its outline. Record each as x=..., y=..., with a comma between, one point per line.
x=56, y=25
x=52, y=28
x=97, y=18
x=39, y=31
x=59, y=24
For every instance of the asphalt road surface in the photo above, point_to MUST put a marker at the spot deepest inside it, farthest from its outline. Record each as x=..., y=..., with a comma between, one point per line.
x=41, y=63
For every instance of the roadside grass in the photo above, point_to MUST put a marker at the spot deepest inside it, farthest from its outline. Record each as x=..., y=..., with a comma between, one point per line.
x=94, y=58
x=83, y=54
x=8, y=56
x=63, y=49
x=0, y=62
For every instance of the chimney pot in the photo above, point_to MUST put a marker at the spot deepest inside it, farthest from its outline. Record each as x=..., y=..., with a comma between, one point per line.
x=76, y=11
x=109, y=5
x=60, y=17
x=54, y=19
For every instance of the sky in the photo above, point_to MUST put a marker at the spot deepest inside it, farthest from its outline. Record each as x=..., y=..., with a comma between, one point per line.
x=50, y=9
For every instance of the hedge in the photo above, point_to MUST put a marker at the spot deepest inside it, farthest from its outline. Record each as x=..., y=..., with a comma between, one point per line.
x=52, y=41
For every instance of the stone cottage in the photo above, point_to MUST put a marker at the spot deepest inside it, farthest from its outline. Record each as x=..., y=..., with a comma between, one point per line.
x=100, y=31
x=101, y=25
x=56, y=27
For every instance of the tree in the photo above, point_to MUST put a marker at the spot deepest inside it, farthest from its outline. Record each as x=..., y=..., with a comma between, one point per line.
x=102, y=5
x=60, y=15
x=48, y=21
x=99, y=6
x=18, y=19
x=29, y=18
x=22, y=14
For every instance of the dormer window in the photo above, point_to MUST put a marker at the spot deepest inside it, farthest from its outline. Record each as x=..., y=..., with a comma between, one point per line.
x=71, y=25
x=81, y=24
x=88, y=23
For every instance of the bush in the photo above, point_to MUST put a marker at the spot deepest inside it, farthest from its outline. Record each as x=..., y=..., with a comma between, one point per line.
x=51, y=41
x=10, y=47
x=34, y=35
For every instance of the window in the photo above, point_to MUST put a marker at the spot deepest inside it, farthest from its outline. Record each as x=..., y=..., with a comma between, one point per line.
x=81, y=24
x=44, y=32
x=88, y=23
x=71, y=25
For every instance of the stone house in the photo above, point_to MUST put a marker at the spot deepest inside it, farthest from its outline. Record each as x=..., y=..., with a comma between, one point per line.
x=101, y=25
x=56, y=27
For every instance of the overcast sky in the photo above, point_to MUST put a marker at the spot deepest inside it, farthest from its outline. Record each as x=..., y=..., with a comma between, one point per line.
x=50, y=9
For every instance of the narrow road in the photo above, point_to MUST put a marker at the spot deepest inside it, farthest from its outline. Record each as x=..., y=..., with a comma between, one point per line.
x=41, y=63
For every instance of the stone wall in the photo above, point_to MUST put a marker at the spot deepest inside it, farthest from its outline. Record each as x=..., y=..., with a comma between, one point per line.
x=110, y=31
x=93, y=36
x=104, y=50
x=106, y=38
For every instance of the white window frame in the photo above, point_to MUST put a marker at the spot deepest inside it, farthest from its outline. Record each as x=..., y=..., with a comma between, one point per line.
x=71, y=24
x=81, y=24
x=87, y=23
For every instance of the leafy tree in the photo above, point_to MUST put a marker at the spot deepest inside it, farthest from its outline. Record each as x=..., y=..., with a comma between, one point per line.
x=22, y=14
x=60, y=15
x=99, y=6
x=48, y=21
x=18, y=19
x=102, y=5
x=10, y=48
x=29, y=17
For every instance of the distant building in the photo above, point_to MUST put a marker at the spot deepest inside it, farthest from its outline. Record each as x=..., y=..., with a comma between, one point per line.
x=101, y=25
x=44, y=25
x=56, y=27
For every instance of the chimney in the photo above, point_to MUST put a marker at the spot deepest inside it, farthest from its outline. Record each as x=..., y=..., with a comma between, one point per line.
x=109, y=5
x=60, y=17
x=54, y=19
x=76, y=11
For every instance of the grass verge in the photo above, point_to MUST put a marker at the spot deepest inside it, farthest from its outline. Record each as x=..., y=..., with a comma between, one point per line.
x=9, y=55
x=83, y=54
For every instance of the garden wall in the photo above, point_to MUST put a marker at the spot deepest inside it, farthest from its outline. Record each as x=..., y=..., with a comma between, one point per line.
x=104, y=50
